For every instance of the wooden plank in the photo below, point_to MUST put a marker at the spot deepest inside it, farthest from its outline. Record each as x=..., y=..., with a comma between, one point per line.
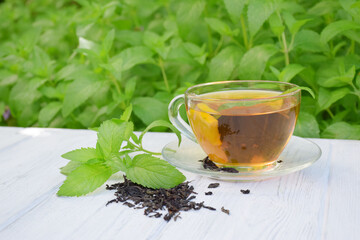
x=343, y=197
x=302, y=205
x=10, y=136
x=29, y=172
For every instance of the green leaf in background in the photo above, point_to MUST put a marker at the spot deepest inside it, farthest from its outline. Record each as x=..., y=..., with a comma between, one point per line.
x=108, y=41
x=84, y=179
x=73, y=71
x=126, y=114
x=223, y=64
x=111, y=135
x=49, y=112
x=219, y=26
x=95, y=58
x=130, y=88
x=328, y=97
x=289, y=72
x=294, y=29
x=133, y=38
x=77, y=93
x=23, y=94
x=342, y=130
x=130, y=57
x=187, y=13
x=153, y=172
x=235, y=8
x=336, y=28
x=323, y=8
x=161, y=123
x=7, y=78
x=301, y=88
x=252, y=64
x=308, y=104
x=149, y=109
x=40, y=63
x=2, y=110
x=82, y=155
x=156, y=43
x=309, y=40
x=258, y=12
x=276, y=24
x=307, y=126
x=337, y=72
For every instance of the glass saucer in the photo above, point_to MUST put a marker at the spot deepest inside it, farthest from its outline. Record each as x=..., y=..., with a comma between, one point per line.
x=298, y=154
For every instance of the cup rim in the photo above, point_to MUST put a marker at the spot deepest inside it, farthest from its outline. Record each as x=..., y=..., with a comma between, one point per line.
x=195, y=97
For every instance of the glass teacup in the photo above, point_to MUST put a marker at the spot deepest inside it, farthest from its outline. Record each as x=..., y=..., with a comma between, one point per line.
x=243, y=124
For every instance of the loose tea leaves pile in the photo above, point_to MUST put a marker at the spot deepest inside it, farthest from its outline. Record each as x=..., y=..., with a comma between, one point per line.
x=153, y=201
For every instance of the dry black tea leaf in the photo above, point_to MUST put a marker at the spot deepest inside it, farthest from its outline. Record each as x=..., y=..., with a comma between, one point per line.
x=213, y=185
x=208, y=164
x=247, y=191
x=227, y=211
x=228, y=169
x=153, y=201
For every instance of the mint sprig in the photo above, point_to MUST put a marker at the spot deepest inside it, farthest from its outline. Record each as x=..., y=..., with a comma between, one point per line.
x=90, y=168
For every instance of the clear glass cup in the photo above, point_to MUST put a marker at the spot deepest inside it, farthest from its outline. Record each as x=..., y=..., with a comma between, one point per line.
x=241, y=124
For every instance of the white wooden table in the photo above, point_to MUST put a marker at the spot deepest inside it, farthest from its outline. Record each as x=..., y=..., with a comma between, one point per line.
x=320, y=202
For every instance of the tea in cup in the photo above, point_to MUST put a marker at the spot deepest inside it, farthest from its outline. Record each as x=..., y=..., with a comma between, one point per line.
x=244, y=124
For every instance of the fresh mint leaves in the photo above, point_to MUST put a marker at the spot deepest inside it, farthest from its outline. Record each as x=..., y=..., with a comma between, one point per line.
x=75, y=64
x=85, y=179
x=89, y=168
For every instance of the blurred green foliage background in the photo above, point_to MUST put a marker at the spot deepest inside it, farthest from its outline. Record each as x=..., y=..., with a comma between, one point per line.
x=74, y=64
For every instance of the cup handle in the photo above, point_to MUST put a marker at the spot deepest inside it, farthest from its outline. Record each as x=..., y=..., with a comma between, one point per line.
x=176, y=119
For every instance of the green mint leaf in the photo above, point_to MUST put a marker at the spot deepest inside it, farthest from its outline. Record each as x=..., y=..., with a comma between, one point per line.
x=117, y=162
x=342, y=130
x=258, y=12
x=130, y=57
x=2, y=110
x=82, y=155
x=71, y=166
x=135, y=138
x=335, y=28
x=328, y=97
x=223, y=64
x=77, y=93
x=85, y=179
x=309, y=40
x=108, y=41
x=161, y=123
x=49, y=112
x=234, y=8
x=301, y=88
x=126, y=114
x=252, y=64
x=153, y=172
x=307, y=126
x=149, y=109
x=111, y=135
x=289, y=72
x=130, y=88
x=219, y=26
